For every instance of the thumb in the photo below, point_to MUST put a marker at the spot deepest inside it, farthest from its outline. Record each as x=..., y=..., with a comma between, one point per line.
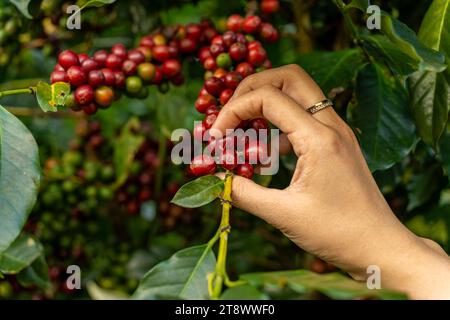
x=251, y=197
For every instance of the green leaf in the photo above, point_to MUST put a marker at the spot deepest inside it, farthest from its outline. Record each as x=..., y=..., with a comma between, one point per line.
x=405, y=38
x=334, y=285
x=20, y=254
x=50, y=97
x=332, y=69
x=423, y=186
x=244, y=292
x=359, y=4
x=430, y=91
x=35, y=274
x=125, y=148
x=19, y=176
x=199, y=192
x=97, y=3
x=381, y=118
x=396, y=59
x=24, y=6
x=183, y=275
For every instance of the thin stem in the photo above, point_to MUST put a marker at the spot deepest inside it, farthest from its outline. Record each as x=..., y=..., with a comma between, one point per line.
x=17, y=91
x=220, y=275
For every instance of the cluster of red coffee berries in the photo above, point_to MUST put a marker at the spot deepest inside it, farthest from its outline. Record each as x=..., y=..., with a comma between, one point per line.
x=229, y=59
x=98, y=80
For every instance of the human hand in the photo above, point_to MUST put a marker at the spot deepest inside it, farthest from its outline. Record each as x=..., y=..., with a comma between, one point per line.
x=332, y=207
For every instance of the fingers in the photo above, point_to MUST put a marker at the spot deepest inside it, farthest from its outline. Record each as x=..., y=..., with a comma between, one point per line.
x=251, y=197
x=270, y=103
x=294, y=82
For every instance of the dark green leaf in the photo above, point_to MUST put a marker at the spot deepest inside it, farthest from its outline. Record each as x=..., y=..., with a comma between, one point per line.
x=333, y=285
x=199, y=192
x=19, y=176
x=405, y=38
x=125, y=148
x=383, y=49
x=22, y=252
x=423, y=186
x=445, y=151
x=359, y=4
x=35, y=274
x=430, y=91
x=184, y=275
x=25, y=6
x=332, y=69
x=244, y=292
x=50, y=97
x=381, y=118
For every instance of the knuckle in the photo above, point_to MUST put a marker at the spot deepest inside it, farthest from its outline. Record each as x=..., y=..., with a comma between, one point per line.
x=332, y=141
x=294, y=68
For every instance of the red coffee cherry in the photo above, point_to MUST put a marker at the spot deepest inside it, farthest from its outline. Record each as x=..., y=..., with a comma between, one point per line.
x=147, y=41
x=216, y=49
x=113, y=62
x=171, y=68
x=269, y=6
x=229, y=37
x=119, y=50
x=146, y=71
x=255, y=152
x=251, y=24
x=202, y=165
x=259, y=123
x=255, y=44
x=158, y=77
x=238, y=51
x=95, y=78
x=129, y=67
x=257, y=56
x=90, y=109
x=76, y=75
x=119, y=79
x=108, y=74
x=245, y=69
x=100, y=57
x=234, y=22
x=161, y=52
x=267, y=64
x=58, y=76
x=89, y=64
x=210, y=64
x=84, y=95
x=214, y=86
x=241, y=38
x=147, y=52
x=210, y=119
x=220, y=73
x=82, y=57
x=245, y=170
x=225, y=96
x=232, y=79
x=188, y=45
x=218, y=39
x=58, y=68
x=67, y=59
x=202, y=91
x=203, y=54
x=211, y=109
x=174, y=49
x=203, y=102
x=193, y=31
x=227, y=159
x=136, y=56
x=104, y=96
x=269, y=33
